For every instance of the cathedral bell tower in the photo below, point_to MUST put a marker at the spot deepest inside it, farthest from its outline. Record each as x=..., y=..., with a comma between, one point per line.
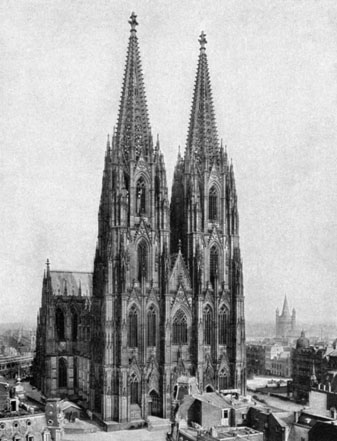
x=204, y=190
x=132, y=247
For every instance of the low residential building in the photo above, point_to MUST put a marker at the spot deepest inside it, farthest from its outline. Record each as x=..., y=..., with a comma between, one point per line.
x=304, y=422
x=281, y=365
x=256, y=359
x=276, y=426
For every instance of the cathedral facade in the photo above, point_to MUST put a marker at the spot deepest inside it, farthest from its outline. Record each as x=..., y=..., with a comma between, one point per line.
x=165, y=299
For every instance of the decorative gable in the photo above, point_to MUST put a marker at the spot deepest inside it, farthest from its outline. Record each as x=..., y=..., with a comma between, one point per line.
x=143, y=230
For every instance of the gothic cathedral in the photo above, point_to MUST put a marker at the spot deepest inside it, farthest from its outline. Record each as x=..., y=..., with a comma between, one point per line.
x=165, y=300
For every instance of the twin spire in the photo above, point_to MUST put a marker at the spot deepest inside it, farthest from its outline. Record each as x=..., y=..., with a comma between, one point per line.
x=202, y=138
x=133, y=134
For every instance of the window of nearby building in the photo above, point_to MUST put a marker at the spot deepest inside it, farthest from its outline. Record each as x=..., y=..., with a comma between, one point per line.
x=151, y=326
x=133, y=327
x=208, y=324
x=212, y=204
x=179, y=328
x=62, y=371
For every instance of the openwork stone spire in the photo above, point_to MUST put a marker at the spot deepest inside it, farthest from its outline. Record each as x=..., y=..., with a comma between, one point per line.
x=133, y=134
x=202, y=140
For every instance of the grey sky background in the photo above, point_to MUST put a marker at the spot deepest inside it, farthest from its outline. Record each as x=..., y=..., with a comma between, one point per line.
x=273, y=70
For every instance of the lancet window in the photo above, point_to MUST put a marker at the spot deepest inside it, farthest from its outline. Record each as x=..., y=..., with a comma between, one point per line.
x=213, y=264
x=223, y=319
x=59, y=322
x=208, y=324
x=74, y=324
x=134, y=389
x=62, y=371
x=133, y=327
x=142, y=261
x=141, y=196
x=151, y=326
x=213, y=204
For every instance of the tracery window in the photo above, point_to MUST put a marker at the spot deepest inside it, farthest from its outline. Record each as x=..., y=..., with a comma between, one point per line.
x=213, y=204
x=62, y=371
x=134, y=389
x=59, y=321
x=208, y=324
x=213, y=264
x=179, y=328
x=223, y=317
x=142, y=261
x=223, y=380
x=133, y=327
x=151, y=326
x=141, y=196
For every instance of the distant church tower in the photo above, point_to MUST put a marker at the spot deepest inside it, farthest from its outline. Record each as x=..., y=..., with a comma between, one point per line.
x=285, y=322
x=167, y=292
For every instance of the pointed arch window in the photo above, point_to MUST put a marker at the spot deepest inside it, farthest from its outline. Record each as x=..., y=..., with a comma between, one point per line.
x=133, y=327
x=142, y=260
x=134, y=389
x=223, y=380
x=223, y=324
x=213, y=204
x=213, y=264
x=59, y=324
x=151, y=326
x=179, y=328
x=75, y=372
x=62, y=373
x=208, y=325
x=141, y=196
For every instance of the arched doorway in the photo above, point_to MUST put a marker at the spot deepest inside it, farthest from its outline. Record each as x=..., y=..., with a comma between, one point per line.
x=154, y=404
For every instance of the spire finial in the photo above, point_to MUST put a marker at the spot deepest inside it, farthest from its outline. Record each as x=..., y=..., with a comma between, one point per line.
x=48, y=267
x=179, y=246
x=133, y=22
x=202, y=40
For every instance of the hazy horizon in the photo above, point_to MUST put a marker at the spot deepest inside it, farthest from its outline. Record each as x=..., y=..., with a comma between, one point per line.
x=273, y=73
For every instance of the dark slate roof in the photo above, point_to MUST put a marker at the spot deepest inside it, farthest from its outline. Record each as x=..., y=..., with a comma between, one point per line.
x=71, y=283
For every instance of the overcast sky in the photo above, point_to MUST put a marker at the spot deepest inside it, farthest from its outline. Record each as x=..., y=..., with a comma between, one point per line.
x=273, y=73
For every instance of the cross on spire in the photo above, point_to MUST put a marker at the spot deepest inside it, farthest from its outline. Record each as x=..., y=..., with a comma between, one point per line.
x=133, y=22
x=202, y=40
